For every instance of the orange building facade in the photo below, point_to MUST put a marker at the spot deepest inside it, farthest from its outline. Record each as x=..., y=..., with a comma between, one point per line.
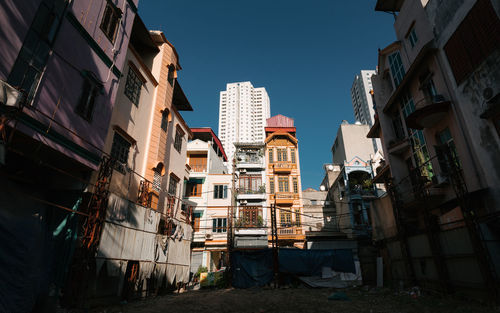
x=283, y=180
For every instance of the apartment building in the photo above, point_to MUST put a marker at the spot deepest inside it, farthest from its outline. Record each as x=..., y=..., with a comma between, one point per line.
x=436, y=92
x=283, y=176
x=61, y=63
x=243, y=111
x=146, y=140
x=208, y=191
x=251, y=211
x=362, y=102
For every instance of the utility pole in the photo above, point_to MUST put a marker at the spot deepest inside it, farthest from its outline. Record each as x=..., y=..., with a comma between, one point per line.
x=230, y=214
x=274, y=238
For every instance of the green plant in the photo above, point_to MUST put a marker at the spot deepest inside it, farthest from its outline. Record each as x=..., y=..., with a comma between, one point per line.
x=260, y=221
x=367, y=183
x=201, y=269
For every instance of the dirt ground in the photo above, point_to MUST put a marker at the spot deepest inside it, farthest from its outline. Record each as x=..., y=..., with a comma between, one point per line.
x=299, y=299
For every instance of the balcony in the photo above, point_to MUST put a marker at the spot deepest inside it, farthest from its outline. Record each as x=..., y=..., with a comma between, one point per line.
x=198, y=168
x=249, y=161
x=285, y=198
x=428, y=112
x=251, y=191
x=290, y=233
x=398, y=146
x=283, y=167
x=362, y=193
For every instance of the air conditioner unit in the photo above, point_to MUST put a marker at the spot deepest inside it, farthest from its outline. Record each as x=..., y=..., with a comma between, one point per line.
x=243, y=170
x=243, y=202
x=208, y=236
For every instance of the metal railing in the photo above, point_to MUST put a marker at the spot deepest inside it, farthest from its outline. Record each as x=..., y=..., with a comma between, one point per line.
x=283, y=164
x=291, y=230
x=285, y=195
x=198, y=168
x=428, y=100
x=251, y=159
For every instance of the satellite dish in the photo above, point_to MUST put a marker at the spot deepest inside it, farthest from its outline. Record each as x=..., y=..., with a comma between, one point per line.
x=322, y=188
x=330, y=167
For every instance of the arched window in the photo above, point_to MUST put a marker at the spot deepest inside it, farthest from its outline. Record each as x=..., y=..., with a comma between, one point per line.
x=165, y=119
x=158, y=172
x=171, y=74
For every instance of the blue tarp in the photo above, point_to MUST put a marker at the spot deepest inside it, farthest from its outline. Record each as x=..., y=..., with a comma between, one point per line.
x=255, y=267
x=310, y=262
x=252, y=268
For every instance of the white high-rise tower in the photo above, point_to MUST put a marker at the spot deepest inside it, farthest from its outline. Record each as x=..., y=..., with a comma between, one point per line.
x=362, y=101
x=243, y=111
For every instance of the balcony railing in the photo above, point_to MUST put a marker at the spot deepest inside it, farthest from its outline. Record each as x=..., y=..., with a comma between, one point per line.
x=252, y=190
x=283, y=166
x=290, y=231
x=286, y=195
x=198, y=168
x=249, y=159
x=428, y=112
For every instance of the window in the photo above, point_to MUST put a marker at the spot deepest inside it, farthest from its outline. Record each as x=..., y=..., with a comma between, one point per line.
x=297, y=217
x=429, y=89
x=110, y=21
x=119, y=151
x=178, y=140
x=164, y=120
x=86, y=104
x=196, y=221
x=295, y=182
x=397, y=125
x=447, y=152
x=193, y=189
x=417, y=140
x=397, y=69
x=271, y=156
x=282, y=155
x=220, y=191
x=133, y=86
x=219, y=225
x=171, y=74
x=27, y=69
x=292, y=155
x=272, y=189
x=285, y=218
x=250, y=184
x=283, y=184
x=474, y=40
x=156, y=180
x=198, y=162
x=412, y=37
x=172, y=185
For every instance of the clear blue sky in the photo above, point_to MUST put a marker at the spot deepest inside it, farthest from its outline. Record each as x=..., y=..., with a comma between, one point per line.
x=305, y=53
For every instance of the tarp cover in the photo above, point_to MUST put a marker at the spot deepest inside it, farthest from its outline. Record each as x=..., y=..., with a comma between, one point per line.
x=36, y=248
x=310, y=262
x=252, y=268
x=255, y=267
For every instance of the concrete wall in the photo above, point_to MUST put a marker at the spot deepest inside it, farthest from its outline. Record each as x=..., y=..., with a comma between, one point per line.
x=15, y=21
x=55, y=97
x=136, y=121
x=352, y=142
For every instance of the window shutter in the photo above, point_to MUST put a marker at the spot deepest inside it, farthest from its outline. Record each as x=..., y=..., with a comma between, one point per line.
x=214, y=225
